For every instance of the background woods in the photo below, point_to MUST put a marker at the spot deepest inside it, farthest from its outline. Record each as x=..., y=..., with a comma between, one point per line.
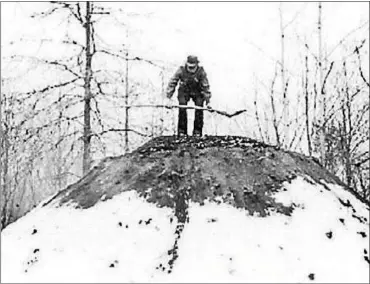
x=71, y=72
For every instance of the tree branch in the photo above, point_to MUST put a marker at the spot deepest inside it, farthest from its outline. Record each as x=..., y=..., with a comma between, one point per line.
x=326, y=77
x=357, y=51
x=51, y=87
x=345, y=37
x=119, y=130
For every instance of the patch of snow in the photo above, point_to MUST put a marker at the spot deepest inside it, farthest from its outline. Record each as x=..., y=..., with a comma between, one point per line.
x=125, y=238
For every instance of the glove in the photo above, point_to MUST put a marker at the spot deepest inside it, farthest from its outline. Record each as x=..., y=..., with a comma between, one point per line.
x=169, y=103
x=207, y=97
x=169, y=95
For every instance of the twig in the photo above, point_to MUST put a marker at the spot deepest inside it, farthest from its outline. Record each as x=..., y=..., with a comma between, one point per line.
x=345, y=37
x=326, y=77
x=296, y=15
x=357, y=51
x=274, y=115
x=257, y=118
x=119, y=130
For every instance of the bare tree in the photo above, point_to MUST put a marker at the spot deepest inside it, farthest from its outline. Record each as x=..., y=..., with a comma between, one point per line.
x=127, y=99
x=274, y=112
x=87, y=99
x=2, y=138
x=307, y=112
x=322, y=105
x=62, y=116
x=257, y=117
x=15, y=164
x=283, y=80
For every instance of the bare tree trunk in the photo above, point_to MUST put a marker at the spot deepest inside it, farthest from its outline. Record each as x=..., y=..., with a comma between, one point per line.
x=274, y=115
x=348, y=132
x=257, y=116
x=307, y=109
x=6, y=195
x=162, y=101
x=344, y=140
x=1, y=139
x=322, y=95
x=283, y=87
x=126, y=98
x=59, y=153
x=87, y=99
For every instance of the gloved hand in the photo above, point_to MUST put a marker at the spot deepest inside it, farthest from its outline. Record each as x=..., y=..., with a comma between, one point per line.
x=168, y=95
x=207, y=98
x=169, y=103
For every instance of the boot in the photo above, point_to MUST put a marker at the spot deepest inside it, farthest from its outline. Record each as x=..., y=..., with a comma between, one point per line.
x=181, y=133
x=197, y=133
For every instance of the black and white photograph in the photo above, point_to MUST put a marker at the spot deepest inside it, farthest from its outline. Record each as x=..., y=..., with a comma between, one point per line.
x=185, y=142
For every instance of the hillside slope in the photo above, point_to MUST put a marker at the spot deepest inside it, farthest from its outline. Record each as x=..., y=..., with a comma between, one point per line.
x=211, y=209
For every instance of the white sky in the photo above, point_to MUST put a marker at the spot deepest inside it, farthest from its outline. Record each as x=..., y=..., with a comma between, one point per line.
x=219, y=33
x=226, y=37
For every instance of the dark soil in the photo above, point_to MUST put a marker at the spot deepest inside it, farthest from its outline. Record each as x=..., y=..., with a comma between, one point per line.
x=236, y=170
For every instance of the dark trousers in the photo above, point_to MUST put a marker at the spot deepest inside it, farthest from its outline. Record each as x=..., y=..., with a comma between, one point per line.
x=184, y=98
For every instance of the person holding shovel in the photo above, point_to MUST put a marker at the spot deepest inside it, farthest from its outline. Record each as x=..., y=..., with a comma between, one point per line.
x=193, y=84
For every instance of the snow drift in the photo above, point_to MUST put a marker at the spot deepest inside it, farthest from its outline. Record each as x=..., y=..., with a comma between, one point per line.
x=211, y=209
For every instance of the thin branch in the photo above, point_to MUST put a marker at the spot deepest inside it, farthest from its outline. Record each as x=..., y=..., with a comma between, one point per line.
x=357, y=51
x=119, y=130
x=63, y=66
x=296, y=15
x=274, y=115
x=306, y=109
x=51, y=87
x=61, y=139
x=345, y=37
x=277, y=61
x=326, y=77
x=135, y=58
x=328, y=118
x=362, y=161
x=69, y=6
x=257, y=118
x=300, y=128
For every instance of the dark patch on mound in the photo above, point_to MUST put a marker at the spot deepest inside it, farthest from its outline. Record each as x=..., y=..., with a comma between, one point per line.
x=311, y=276
x=181, y=213
x=236, y=170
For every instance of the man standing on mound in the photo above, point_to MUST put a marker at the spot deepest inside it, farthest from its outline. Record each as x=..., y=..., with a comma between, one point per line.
x=193, y=84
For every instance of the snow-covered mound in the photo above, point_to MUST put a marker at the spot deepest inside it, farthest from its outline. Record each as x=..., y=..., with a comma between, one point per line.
x=204, y=210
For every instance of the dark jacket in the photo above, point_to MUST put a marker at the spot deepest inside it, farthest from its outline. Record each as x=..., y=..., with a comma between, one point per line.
x=192, y=83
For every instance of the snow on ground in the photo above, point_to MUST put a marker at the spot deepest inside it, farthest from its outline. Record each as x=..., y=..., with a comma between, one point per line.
x=125, y=239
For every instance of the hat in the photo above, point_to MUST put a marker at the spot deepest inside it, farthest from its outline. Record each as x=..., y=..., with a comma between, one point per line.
x=192, y=59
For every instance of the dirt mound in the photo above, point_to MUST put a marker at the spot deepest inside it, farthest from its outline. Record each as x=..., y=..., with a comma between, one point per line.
x=224, y=169
x=187, y=178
